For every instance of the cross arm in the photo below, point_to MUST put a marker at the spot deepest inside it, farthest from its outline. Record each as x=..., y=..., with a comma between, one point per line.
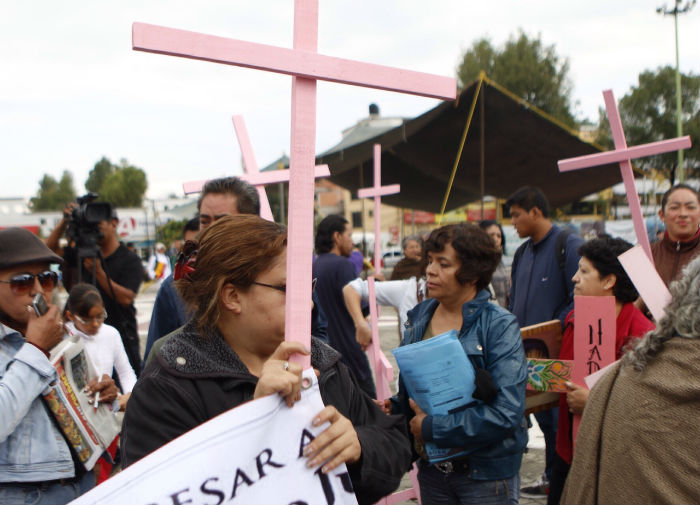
x=381, y=191
x=270, y=177
x=629, y=153
x=198, y=46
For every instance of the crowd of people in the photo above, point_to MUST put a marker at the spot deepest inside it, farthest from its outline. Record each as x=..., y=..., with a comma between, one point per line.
x=223, y=306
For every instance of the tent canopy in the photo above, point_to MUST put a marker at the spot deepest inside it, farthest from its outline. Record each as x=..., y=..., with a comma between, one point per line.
x=521, y=147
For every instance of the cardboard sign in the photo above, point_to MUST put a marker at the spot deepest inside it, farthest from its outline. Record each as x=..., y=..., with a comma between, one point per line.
x=647, y=280
x=595, y=331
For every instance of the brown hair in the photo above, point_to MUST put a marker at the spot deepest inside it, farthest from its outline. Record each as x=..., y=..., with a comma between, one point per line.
x=475, y=249
x=233, y=249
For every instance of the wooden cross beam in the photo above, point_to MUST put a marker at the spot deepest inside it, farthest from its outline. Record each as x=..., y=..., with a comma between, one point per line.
x=384, y=373
x=624, y=155
x=252, y=175
x=305, y=66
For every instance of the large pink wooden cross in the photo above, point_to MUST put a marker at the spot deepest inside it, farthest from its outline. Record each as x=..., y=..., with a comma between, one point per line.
x=305, y=66
x=252, y=174
x=624, y=155
x=382, y=368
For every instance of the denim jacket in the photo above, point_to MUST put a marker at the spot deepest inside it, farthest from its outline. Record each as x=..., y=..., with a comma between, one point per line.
x=31, y=447
x=495, y=434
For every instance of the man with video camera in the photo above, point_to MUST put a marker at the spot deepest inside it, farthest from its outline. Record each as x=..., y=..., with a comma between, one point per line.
x=91, y=229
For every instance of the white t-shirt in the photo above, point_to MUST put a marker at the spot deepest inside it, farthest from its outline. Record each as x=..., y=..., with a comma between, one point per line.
x=402, y=294
x=106, y=351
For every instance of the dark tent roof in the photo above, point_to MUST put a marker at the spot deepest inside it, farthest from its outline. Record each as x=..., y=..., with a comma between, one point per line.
x=522, y=146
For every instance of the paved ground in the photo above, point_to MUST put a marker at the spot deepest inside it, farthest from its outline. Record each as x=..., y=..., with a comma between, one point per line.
x=533, y=461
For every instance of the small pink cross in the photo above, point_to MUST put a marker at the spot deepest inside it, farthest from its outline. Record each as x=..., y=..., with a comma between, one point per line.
x=623, y=155
x=252, y=174
x=305, y=66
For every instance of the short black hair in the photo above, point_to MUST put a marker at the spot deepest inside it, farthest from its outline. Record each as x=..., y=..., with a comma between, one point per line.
x=191, y=225
x=82, y=298
x=325, y=230
x=247, y=199
x=602, y=252
x=485, y=224
x=529, y=197
x=667, y=194
x=477, y=252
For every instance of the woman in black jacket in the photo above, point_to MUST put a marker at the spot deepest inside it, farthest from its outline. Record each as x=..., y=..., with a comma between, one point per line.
x=233, y=351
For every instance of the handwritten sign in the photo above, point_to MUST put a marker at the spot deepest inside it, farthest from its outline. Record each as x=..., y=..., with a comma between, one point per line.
x=624, y=155
x=250, y=454
x=594, y=338
x=647, y=280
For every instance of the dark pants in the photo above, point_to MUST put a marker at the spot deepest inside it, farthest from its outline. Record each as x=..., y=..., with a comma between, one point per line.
x=560, y=469
x=547, y=421
x=46, y=493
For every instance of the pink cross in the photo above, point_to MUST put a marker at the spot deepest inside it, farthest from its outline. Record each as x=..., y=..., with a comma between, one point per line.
x=252, y=174
x=382, y=368
x=624, y=155
x=376, y=192
x=305, y=66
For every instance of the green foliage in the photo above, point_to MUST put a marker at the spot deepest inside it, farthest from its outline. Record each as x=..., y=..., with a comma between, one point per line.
x=52, y=194
x=527, y=68
x=99, y=174
x=171, y=231
x=648, y=113
x=122, y=185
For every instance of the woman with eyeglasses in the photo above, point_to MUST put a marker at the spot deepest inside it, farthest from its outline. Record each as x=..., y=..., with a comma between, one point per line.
x=103, y=344
x=35, y=462
x=233, y=350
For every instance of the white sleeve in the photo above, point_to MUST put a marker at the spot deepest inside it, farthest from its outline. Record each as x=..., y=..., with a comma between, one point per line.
x=126, y=374
x=392, y=292
x=151, y=269
x=360, y=286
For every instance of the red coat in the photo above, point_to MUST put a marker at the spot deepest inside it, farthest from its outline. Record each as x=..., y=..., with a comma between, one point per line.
x=630, y=323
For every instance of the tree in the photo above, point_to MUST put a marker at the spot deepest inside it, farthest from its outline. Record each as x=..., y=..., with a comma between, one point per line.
x=52, y=194
x=648, y=114
x=525, y=67
x=99, y=174
x=122, y=185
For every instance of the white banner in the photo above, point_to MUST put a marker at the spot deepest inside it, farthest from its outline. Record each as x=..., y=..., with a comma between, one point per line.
x=251, y=454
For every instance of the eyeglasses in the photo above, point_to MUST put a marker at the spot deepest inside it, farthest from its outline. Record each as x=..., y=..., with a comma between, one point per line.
x=283, y=287
x=21, y=284
x=87, y=320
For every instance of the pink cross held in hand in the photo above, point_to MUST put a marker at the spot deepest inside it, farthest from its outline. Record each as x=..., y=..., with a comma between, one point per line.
x=623, y=155
x=382, y=368
x=305, y=66
x=252, y=175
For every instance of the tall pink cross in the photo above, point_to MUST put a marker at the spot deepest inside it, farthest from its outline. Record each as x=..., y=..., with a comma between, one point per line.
x=252, y=174
x=624, y=155
x=305, y=66
x=382, y=368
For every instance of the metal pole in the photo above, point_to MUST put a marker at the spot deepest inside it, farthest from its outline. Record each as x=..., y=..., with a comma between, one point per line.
x=679, y=123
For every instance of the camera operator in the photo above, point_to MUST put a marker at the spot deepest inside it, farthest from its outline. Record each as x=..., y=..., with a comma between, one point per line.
x=36, y=464
x=117, y=271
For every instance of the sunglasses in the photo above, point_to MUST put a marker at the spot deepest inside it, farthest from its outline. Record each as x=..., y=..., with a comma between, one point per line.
x=86, y=320
x=21, y=284
x=283, y=287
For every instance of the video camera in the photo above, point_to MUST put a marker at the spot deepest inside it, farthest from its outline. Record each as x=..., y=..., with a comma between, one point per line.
x=84, y=222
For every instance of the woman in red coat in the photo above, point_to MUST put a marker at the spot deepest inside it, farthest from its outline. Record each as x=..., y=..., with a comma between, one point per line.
x=599, y=274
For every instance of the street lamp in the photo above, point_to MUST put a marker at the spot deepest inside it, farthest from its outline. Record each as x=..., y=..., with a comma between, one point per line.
x=677, y=9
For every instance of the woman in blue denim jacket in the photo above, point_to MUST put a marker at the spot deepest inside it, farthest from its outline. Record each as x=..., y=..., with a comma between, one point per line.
x=492, y=430
x=35, y=462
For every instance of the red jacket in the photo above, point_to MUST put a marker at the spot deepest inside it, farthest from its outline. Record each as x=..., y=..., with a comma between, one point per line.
x=630, y=323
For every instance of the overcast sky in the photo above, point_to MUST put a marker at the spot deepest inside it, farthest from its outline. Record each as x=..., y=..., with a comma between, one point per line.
x=72, y=89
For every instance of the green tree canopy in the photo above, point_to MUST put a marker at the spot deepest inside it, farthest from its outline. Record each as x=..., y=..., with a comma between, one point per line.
x=122, y=185
x=648, y=114
x=526, y=67
x=53, y=194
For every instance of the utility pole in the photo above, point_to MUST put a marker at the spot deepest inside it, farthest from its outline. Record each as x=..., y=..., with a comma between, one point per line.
x=678, y=9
